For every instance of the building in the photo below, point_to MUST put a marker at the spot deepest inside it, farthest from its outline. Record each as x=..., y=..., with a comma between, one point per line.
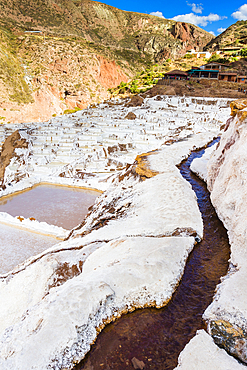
x=199, y=54
x=241, y=79
x=217, y=71
x=215, y=66
x=228, y=76
x=176, y=74
x=203, y=73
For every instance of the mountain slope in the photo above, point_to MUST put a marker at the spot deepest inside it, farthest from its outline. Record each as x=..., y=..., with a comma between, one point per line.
x=233, y=36
x=67, y=53
x=101, y=23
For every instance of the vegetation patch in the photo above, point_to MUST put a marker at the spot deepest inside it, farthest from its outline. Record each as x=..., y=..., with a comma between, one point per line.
x=69, y=111
x=12, y=72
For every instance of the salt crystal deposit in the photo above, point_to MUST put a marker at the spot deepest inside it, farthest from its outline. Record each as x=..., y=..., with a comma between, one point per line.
x=132, y=248
x=201, y=353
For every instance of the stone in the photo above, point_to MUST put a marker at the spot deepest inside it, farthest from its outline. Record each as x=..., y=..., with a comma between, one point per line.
x=130, y=115
x=137, y=364
x=230, y=337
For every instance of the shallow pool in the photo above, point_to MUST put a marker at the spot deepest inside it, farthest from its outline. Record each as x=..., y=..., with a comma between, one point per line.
x=56, y=205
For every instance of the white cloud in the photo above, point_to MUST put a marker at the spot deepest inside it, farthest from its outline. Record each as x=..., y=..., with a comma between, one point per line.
x=158, y=14
x=196, y=8
x=241, y=13
x=201, y=20
x=221, y=29
x=212, y=33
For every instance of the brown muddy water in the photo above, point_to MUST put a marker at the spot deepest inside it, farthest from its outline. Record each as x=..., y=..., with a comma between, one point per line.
x=157, y=336
x=57, y=205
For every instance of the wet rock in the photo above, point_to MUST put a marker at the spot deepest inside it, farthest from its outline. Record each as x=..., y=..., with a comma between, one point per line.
x=130, y=115
x=137, y=364
x=230, y=337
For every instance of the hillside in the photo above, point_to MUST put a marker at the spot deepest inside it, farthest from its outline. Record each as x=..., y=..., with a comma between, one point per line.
x=233, y=36
x=104, y=24
x=58, y=55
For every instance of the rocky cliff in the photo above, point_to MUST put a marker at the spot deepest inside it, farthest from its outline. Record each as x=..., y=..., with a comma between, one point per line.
x=62, y=55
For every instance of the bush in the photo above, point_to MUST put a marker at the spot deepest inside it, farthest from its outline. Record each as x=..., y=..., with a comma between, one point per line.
x=69, y=111
x=243, y=53
x=217, y=59
x=189, y=56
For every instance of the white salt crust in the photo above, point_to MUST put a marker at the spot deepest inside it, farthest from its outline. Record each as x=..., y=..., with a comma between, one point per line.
x=227, y=179
x=201, y=353
x=52, y=303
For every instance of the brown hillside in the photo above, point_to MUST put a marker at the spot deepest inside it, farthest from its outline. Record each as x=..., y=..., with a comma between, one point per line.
x=82, y=49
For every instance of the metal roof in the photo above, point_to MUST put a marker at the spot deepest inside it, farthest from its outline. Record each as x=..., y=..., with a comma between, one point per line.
x=204, y=70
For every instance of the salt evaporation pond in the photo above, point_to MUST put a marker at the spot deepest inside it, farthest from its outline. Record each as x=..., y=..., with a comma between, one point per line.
x=157, y=337
x=57, y=205
x=16, y=245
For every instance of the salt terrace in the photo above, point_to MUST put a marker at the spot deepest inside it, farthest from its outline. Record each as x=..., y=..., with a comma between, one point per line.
x=100, y=140
x=131, y=250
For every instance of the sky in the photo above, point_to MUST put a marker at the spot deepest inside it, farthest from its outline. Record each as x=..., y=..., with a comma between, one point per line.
x=211, y=15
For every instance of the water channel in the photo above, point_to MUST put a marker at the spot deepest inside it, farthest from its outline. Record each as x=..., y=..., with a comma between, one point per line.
x=157, y=336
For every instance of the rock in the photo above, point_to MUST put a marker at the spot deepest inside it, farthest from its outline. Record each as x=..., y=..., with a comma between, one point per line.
x=137, y=363
x=237, y=108
x=135, y=101
x=230, y=337
x=8, y=151
x=181, y=31
x=130, y=115
x=158, y=98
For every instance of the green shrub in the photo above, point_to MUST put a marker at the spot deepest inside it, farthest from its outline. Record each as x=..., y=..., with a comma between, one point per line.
x=189, y=56
x=243, y=53
x=217, y=59
x=69, y=111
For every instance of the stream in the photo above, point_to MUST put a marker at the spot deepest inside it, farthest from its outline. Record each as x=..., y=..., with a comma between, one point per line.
x=157, y=336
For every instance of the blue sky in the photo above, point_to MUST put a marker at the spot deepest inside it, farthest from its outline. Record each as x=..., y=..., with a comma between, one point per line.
x=212, y=15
